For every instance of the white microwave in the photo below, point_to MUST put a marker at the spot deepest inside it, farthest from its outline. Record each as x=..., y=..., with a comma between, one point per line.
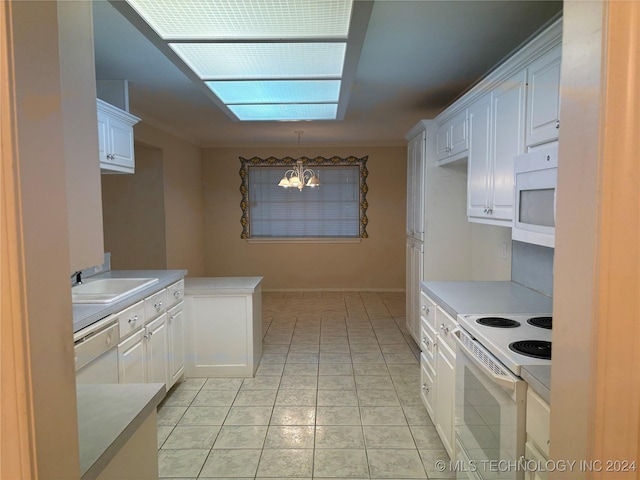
x=534, y=207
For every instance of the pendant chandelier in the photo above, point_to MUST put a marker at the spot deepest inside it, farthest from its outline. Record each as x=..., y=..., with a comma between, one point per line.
x=299, y=176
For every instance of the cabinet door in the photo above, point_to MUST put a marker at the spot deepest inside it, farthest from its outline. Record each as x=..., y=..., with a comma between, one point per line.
x=103, y=136
x=458, y=138
x=157, y=350
x=543, y=98
x=427, y=393
x=508, y=141
x=132, y=365
x=176, y=344
x=415, y=269
x=445, y=390
x=479, y=156
x=443, y=141
x=121, y=144
x=415, y=186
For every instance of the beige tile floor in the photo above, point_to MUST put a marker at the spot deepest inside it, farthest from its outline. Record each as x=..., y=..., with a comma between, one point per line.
x=336, y=396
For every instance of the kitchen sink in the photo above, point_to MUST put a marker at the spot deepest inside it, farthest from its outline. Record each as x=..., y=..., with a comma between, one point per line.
x=108, y=290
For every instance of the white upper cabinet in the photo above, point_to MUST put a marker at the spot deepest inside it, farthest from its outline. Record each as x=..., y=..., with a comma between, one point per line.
x=452, y=139
x=543, y=98
x=115, y=139
x=496, y=126
x=478, y=169
x=513, y=109
x=507, y=141
x=415, y=185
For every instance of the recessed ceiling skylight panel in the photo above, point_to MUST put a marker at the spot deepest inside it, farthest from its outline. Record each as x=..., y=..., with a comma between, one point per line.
x=246, y=19
x=224, y=61
x=263, y=59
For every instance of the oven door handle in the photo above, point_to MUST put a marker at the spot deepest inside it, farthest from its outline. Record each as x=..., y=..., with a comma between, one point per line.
x=497, y=374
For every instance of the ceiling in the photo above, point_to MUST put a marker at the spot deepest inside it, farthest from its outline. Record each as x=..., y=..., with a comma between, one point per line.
x=417, y=57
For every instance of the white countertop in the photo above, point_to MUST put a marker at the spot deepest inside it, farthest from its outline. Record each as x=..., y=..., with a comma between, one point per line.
x=108, y=415
x=84, y=314
x=221, y=285
x=483, y=298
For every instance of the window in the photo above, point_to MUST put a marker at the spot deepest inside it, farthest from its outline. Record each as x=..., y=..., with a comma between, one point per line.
x=335, y=209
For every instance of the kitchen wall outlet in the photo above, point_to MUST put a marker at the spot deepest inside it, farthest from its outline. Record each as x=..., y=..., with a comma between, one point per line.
x=503, y=250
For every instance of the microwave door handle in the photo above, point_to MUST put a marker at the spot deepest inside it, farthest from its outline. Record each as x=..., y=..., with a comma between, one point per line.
x=503, y=381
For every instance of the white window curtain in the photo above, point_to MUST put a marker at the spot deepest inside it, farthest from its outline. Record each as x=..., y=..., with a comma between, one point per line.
x=329, y=211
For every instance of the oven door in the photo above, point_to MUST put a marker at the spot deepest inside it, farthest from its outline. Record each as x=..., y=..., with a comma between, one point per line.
x=490, y=414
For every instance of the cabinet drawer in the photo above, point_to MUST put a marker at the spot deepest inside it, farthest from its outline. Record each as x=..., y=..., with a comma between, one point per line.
x=155, y=304
x=175, y=293
x=427, y=341
x=427, y=309
x=538, y=421
x=130, y=319
x=445, y=325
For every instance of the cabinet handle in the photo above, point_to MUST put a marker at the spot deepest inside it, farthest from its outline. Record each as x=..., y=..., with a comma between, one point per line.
x=157, y=304
x=177, y=293
x=134, y=319
x=108, y=340
x=444, y=328
x=426, y=342
x=150, y=333
x=557, y=124
x=425, y=388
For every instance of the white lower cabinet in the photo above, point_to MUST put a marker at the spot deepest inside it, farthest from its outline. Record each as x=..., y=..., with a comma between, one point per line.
x=538, y=434
x=223, y=326
x=438, y=368
x=414, y=273
x=426, y=386
x=132, y=364
x=157, y=350
x=143, y=356
x=175, y=322
x=445, y=388
x=151, y=348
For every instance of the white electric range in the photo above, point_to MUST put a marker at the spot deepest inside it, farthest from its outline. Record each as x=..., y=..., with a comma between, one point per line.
x=490, y=395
